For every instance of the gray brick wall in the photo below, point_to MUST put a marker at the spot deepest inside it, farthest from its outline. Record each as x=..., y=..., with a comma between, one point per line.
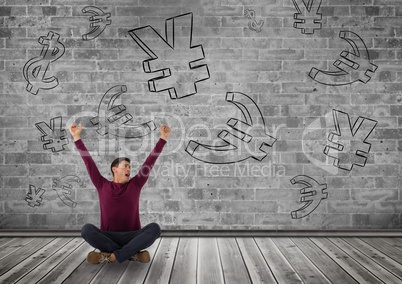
x=279, y=122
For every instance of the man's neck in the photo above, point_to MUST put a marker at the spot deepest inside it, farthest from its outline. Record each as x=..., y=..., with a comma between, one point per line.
x=115, y=180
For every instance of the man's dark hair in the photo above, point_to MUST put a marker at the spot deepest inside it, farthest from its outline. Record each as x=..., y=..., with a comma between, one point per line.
x=117, y=161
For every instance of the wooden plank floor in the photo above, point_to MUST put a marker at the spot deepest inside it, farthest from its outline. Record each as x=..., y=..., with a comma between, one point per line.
x=209, y=260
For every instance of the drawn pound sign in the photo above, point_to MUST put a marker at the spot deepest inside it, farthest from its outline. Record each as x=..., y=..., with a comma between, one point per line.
x=99, y=21
x=35, y=69
x=312, y=195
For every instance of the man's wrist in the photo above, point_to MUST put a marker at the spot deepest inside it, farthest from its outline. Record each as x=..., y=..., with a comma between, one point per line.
x=76, y=138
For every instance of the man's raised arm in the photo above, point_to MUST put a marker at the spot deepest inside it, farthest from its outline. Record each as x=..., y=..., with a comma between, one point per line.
x=96, y=177
x=147, y=166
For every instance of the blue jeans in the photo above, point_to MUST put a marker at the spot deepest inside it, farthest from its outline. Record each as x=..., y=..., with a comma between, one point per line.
x=123, y=244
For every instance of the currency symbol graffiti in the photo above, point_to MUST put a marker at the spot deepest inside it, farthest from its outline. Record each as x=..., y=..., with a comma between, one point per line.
x=35, y=69
x=34, y=196
x=312, y=195
x=249, y=137
x=353, y=148
x=63, y=188
x=352, y=66
x=99, y=21
x=113, y=118
x=312, y=147
x=252, y=24
x=175, y=61
x=54, y=135
x=307, y=18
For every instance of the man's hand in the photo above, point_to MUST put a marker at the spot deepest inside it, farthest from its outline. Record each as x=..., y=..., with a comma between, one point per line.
x=165, y=131
x=75, y=131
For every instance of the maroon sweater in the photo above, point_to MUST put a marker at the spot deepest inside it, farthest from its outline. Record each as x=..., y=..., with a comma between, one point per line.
x=119, y=202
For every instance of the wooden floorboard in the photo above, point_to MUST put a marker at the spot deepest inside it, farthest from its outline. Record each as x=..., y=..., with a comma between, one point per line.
x=13, y=245
x=395, y=242
x=281, y=268
x=68, y=265
x=234, y=269
x=323, y=262
x=306, y=270
x=354, y=268
x=162, y=265
x=368, y=263
x=30, y=263
x=390, y=248
x=185, y=265
x=376, y=255
x=209, y=260
x=22, y=253
x=209, y=268
x=257, y=267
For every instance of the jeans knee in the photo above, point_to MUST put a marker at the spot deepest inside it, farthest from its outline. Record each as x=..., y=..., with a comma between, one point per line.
x=86, y=230
x=155, y=228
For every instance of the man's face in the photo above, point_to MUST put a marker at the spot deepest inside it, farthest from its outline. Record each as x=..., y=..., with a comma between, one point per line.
x=122, y=172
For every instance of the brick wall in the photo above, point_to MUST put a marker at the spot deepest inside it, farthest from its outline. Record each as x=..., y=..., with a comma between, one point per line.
x=282, y=118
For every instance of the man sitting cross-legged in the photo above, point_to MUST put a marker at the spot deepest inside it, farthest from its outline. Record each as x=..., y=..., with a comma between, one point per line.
x=120, y=236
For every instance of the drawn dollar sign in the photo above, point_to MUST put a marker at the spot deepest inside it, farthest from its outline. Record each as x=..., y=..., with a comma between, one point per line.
x=252, y=24
x=35, y=69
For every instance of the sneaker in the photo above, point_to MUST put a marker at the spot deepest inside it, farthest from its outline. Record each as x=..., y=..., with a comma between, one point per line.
x=142, y=256
x=98, y=257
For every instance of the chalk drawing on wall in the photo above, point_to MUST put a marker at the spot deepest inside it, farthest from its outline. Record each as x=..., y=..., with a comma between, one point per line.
x=307, y=18
x=63, y=187
x=114, y=119
x=252, y=22
x=313, y=140
x=249, y=139
x=175, y=61
x=35, y=69
x=311, y=195
x=353, y=66
x=98, y=22
x=34, y=196
x=54, y=135
x=348, y=145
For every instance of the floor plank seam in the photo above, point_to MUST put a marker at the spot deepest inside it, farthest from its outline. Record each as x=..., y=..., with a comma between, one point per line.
x=242, y=257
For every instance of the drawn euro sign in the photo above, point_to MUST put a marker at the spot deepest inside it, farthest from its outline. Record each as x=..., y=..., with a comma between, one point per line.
x=63, y=187
x=312, y=195
x=352, y=67
x=113, y=118
x=248, y=140
x=99, y=21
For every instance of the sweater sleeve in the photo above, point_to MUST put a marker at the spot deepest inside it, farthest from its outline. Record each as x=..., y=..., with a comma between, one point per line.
x=145, y=170
x=96, y=177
